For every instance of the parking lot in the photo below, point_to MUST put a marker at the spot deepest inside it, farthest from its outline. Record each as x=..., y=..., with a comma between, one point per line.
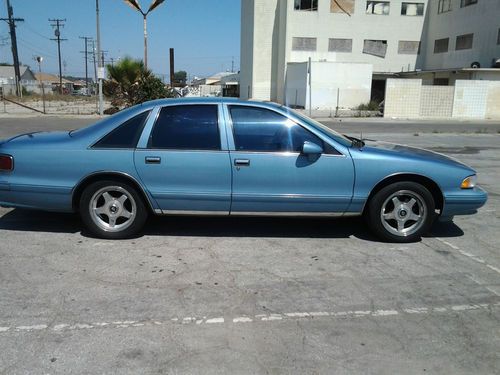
x=257, y=295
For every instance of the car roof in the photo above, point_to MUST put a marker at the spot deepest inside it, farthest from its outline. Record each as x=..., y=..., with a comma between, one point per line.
x=207, y=100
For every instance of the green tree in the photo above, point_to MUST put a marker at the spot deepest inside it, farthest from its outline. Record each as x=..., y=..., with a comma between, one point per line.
x=180, y=78
x=130, y=83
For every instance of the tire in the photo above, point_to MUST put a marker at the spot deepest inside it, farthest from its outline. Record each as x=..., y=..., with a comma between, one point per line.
x=112, y=210
x=401, y=212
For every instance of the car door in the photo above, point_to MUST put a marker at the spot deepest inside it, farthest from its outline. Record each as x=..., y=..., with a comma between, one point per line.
x=272, y=175
x=184, y=162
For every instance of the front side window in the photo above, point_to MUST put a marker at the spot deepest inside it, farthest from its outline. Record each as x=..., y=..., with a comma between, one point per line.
x=262, y=130
x=311, y=5
x=444, y=6
x=378, y=7
x=304, y=44
x=441, y=45
x=186, y=127
x=464, y=42
x=466, y=3
x=126, y=135
x=412, y=9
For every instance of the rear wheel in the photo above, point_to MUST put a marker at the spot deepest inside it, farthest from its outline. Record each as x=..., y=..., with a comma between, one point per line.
x=401, y=212
x=112, y=209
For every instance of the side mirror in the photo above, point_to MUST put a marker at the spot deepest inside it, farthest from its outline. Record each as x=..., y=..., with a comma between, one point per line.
x=311, y=149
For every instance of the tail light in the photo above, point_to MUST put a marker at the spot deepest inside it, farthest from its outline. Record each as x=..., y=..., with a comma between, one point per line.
x=6, y=163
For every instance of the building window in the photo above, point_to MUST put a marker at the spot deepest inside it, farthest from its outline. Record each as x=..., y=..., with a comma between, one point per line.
x=412, y=9
x=466, y=3
x=464, y=42
x=378, y=7
x=304, y=44
x=441, y=82
x=498, y=37
x=407, y=47
x=340, y=45
x=342, y=6
x=311, y=5
x=444, y=6
x=375, y=47
x=441, y=45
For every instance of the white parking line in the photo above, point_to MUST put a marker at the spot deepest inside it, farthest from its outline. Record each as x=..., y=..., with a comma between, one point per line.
x=246, y=319
x=475, y=258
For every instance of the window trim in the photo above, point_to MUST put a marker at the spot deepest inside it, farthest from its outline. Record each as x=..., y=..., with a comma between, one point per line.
x=232, y=146
x=220, y=119
x=143, y=126
x=441, y=8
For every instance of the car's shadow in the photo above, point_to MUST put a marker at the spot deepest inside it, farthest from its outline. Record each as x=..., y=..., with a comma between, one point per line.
x=203, y=226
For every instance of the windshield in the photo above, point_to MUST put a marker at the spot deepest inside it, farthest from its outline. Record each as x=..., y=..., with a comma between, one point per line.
x=343, y=140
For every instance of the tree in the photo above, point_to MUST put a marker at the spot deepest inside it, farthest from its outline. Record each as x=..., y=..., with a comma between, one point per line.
x=130, y=83
x=180, y=78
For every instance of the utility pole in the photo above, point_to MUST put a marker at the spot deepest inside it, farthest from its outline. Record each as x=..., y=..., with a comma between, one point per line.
x=86, y=40
x=58, y=23
x=172, y=69
x=100, y=74
x=12, y=26
x=232, y=64
x=39, y=60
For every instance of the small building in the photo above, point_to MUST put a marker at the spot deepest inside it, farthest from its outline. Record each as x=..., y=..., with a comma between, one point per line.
x=8, y=79
x=51, y=83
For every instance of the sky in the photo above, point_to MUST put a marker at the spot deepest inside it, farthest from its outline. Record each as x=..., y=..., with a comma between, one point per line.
x=204, y=33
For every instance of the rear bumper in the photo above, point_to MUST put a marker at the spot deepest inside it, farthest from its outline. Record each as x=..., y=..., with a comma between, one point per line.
x=465, y=202
x=47, y=198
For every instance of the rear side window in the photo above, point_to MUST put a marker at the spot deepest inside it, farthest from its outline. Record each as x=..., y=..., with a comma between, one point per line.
x=261, y=130
x=126, y=135
x=186, y=127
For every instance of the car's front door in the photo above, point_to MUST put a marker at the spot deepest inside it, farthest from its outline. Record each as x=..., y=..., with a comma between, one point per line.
x=271, y=174
x=184, y=163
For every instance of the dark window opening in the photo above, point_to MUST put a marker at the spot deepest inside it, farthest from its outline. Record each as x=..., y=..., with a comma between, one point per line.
x=186, y=127
x=412, y=9
x=466, y=3
x=464, y=42
x=375, y=47
x=441, y=82
x=126, y=135
x=378, y=7
x=441, y=45
x=311, y=5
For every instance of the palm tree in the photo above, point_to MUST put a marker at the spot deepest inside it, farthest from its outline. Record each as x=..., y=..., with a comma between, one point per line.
x=135, y=4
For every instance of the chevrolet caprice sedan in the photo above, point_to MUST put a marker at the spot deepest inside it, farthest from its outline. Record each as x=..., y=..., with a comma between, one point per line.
x=230, y=157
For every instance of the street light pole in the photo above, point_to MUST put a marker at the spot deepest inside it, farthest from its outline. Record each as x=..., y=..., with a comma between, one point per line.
x=39, y=60
x=100, y=73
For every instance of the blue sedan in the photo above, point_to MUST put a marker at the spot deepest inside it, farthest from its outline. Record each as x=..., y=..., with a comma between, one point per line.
x=230, y=157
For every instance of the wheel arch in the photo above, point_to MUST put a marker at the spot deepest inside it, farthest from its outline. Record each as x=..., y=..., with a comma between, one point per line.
x=116, y=176
x=428, y=183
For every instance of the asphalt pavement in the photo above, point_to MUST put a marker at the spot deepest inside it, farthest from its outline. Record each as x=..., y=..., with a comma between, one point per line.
x=257, y=295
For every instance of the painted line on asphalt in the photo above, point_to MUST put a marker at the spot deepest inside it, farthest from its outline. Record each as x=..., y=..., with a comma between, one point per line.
x=246, y=319
x=475, y=258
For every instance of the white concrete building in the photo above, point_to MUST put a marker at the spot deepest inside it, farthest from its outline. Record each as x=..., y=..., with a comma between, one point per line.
x=386, y=38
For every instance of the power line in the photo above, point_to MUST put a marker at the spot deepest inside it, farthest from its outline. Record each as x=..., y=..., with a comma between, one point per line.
x=57, y=24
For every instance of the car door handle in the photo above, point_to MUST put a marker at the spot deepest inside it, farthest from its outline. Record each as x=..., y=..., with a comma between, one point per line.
x=242, y=162
x=153, y=160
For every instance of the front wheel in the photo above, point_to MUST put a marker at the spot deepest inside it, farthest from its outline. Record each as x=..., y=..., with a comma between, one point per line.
x=112, y=210
x=401, y=212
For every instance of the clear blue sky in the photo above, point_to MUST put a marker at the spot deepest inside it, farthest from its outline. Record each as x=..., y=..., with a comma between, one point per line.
x=204, y=33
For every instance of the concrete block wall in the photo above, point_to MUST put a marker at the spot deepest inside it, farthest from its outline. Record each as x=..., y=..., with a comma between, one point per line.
x=468, y=99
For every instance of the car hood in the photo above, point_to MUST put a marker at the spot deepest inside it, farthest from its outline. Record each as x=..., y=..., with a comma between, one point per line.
x=411, y=152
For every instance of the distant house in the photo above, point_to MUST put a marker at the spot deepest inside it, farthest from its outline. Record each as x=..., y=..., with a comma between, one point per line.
x=8, y=79
x=52, y=81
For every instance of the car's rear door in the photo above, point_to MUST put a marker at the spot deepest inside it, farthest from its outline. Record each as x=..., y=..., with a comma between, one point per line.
x=183, y=160
x=271, y=175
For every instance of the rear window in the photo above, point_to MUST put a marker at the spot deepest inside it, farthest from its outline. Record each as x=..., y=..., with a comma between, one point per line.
x=126, y=135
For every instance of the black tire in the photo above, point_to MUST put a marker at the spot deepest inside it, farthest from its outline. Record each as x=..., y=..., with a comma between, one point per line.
x=401, y=212
x=112, y=209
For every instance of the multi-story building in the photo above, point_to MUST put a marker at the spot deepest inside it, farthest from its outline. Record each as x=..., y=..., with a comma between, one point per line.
x=353, y=45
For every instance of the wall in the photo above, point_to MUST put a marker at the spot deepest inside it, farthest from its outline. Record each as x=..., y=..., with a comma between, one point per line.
x=481, y=19
x=468, y=99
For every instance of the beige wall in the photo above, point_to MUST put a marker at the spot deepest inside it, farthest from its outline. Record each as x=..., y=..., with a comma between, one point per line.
x=468, y=99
